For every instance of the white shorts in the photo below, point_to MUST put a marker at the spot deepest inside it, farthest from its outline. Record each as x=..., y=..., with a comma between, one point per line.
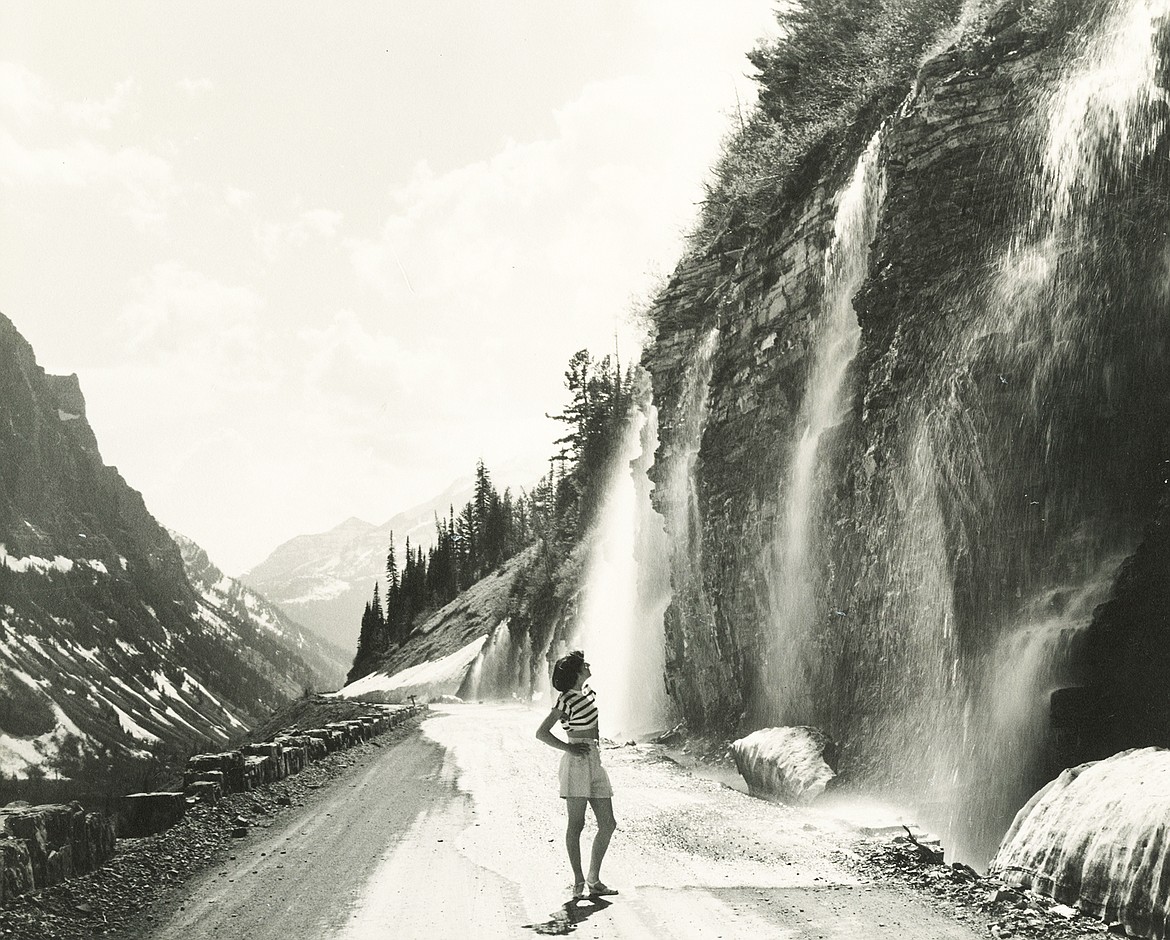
x=582, y=775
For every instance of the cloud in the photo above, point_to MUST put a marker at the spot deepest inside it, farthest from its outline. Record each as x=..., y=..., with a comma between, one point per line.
x=194, y=87
x=100, y=114
x=274, y=237
x=23, y=94
x=544, y=236
x=185, y=312
x=346, y=359
x=238, y=198
x=140, y=183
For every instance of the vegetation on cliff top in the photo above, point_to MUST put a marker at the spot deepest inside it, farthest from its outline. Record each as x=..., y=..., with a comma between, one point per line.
x=835, y=71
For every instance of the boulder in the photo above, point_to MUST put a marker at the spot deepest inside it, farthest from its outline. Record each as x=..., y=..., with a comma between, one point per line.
x=99, y=834
x=58, y=865
x=791, y=765
x=1097, y=838
x=329, y=737
x=216, y=777
x=257, y=772
x=230, y=763
x=295, y=759
x=145, y=813
x=271, y=753
x=16, y=873
x=204, y=791
x=56, y=841
x=27, y=824
x=350, y=735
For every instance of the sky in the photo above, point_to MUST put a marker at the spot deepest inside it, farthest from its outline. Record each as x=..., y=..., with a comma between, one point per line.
x=312, y=261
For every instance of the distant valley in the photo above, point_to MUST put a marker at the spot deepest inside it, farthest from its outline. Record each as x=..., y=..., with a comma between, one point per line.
x=117, y=645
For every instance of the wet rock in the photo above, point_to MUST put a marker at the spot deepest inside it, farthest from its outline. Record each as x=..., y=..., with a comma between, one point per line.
x=785, y=764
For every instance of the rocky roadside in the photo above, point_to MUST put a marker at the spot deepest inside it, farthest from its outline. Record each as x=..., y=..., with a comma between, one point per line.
x=121, y=897
x=984, y=902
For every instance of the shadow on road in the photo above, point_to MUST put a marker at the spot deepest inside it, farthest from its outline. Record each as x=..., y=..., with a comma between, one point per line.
x=571, y=913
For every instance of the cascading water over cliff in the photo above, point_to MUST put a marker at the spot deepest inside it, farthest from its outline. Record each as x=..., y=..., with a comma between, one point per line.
x=935, y=431
x=794, y=571
x=625, y=589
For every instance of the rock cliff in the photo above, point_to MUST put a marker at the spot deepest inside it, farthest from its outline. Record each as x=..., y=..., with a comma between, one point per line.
x=934, y=395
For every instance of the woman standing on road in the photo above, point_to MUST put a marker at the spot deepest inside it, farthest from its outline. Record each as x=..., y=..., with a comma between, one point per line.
x=584, y=781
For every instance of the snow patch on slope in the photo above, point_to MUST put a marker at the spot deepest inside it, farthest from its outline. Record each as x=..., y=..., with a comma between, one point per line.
x=433, y=678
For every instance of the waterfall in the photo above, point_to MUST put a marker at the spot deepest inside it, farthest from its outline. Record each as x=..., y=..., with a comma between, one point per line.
x=1109, y=116
x=626, y=589
x=502, y=670
x=794, y=571
x=1098, y=126
x=1029, y=524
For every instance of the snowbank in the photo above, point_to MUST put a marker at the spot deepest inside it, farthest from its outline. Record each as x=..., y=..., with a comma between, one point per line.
x=1098, y=838
x=786, y=764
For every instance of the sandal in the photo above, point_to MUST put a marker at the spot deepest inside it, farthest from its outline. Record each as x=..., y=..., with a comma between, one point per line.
x=579, y=890
x=599, y=889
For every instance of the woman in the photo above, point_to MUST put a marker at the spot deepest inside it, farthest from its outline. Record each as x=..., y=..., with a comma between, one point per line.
x=584, y=781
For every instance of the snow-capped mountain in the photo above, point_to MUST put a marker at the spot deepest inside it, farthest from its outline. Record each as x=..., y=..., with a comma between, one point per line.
x=324, y=580
x=106, y=649
x=226, y=595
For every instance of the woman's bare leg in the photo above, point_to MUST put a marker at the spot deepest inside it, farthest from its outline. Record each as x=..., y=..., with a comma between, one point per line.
x=576, y=807
x=606, y=824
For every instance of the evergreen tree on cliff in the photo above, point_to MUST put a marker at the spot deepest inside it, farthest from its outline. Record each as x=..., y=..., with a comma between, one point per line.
x=366, y=646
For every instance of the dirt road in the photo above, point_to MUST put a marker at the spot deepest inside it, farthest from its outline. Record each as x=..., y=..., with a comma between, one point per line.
x=458, y=832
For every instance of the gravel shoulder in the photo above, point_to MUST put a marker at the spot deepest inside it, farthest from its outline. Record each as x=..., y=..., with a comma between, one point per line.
x=134, y=890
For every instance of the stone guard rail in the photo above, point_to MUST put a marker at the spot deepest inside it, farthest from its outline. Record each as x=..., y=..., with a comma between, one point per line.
x=44, y=845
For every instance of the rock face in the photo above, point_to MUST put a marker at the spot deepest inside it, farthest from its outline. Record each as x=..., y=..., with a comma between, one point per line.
x=106, y=648
x=44, y=845
x=1098, y=838
x=785, y=764
x=911, y=528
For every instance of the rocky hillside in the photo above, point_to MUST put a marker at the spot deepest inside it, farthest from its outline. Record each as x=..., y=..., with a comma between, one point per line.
x=107, y=651
x=447, y=653
x=235, y=598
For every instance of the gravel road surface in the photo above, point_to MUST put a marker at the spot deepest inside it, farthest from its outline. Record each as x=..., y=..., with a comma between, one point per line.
x=458, y=832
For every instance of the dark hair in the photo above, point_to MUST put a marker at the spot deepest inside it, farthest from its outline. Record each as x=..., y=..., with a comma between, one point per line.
x=566, y=670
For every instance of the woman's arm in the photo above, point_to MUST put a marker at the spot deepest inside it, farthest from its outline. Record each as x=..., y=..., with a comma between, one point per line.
x=545, y=736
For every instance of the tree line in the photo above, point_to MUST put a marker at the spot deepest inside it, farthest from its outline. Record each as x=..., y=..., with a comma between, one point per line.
x=491, y=528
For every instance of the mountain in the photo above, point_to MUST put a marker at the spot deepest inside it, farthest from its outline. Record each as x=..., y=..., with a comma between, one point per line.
x=107, y=650
x=235, y=598
x=324, y=580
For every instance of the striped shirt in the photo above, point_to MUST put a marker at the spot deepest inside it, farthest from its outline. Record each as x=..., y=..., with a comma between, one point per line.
x=578, y=709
